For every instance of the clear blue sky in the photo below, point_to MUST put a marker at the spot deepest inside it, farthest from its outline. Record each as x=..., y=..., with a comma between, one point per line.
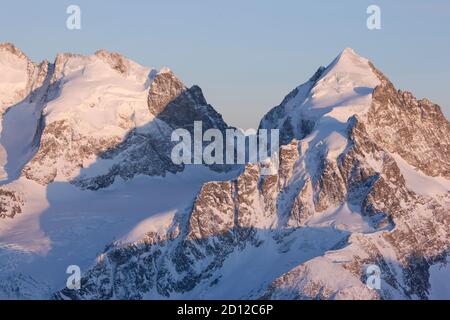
x=246, y=54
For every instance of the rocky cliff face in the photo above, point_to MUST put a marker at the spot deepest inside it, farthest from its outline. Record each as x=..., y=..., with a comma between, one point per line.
x=414, y=129
x=344, y=195
x=164, y=89
x=414, y=235
x=11, y=202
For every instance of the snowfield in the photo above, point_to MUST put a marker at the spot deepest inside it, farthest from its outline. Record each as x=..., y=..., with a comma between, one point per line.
x=63, y=226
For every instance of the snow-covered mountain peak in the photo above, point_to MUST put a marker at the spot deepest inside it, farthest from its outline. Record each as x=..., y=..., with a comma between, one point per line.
x=348, y=61
x=18, y=75
x=334, y=93
x=103, y=65
x=120, y=63
x=95, y=93
x=347, y=58
x=165, y=70
x=12, y=49
x=345, y=87
x=349, y=53
x=89, y=108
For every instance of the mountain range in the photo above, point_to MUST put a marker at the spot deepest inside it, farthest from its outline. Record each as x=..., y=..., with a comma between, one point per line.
x=86, y=179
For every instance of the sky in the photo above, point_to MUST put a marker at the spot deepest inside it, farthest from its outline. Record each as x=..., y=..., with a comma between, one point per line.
x=246, y=55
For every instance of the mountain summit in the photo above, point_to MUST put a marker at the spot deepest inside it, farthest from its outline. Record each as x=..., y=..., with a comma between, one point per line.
x=99, y=111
